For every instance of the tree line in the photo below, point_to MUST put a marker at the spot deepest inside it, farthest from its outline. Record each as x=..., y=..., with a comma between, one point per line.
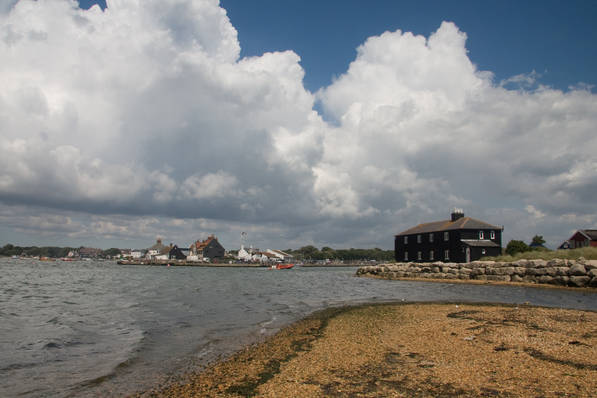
x=49, y=251
x=312, y=253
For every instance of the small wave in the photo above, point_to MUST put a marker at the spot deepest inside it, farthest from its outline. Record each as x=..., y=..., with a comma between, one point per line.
x=264, y=325
x=97, y=380
x=17, y=366
x=52, y=345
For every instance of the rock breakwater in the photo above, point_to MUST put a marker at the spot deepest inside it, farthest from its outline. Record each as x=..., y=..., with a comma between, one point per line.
x=561, y=272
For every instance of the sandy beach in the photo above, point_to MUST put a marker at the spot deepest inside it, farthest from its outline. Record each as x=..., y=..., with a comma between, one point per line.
x=412, y=350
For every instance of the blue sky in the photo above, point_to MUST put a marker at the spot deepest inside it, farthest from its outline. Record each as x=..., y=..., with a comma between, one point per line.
x=333, y=123
x=554, y=38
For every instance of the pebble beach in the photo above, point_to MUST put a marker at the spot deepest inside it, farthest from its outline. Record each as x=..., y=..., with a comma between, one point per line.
x=411, y=350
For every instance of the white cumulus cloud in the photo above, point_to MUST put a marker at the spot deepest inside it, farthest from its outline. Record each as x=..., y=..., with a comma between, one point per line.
x=146, y=109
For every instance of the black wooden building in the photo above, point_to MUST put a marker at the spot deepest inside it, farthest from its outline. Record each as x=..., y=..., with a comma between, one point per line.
x=458, y=240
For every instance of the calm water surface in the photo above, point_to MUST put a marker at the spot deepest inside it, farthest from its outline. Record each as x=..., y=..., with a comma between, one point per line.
x=86, y=329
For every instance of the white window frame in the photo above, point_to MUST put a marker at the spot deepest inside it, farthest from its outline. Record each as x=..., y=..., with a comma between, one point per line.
x=492, y=235
x=419, y=238
x=430, y=254
x=406, y=240
x=431, y=238
x=446, y=254
x=483, y=251
x=446, y=236
x=405, y=256
x=419, y=256
x=481, y=235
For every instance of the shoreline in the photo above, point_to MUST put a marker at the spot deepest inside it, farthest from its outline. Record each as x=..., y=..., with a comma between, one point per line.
x=411, y=349
x=484, y=282
x=579, y=273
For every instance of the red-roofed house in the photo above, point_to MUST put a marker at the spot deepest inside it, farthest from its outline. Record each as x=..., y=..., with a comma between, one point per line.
x=209, y=248
x=583, y=238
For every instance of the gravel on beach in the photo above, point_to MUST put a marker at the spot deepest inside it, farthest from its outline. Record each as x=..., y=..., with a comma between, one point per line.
x=412, y=350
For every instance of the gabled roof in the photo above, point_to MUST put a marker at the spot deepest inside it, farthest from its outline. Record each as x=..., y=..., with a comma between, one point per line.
x=280, y=252
x=200, y=245
x=448, y=225
x=589, y=233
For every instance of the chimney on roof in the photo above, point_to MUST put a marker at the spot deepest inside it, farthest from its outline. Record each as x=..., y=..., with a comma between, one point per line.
x=456, y=214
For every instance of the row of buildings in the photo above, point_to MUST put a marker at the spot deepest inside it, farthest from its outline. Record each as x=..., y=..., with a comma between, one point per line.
x=208, y=250
x=464, y=239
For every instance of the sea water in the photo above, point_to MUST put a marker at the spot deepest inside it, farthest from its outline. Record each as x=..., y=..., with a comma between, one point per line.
x=87, y=328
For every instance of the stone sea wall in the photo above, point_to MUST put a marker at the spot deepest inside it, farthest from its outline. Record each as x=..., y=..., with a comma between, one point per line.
x=574, y=273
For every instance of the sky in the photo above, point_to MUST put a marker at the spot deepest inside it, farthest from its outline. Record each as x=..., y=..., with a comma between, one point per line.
x=336, y=123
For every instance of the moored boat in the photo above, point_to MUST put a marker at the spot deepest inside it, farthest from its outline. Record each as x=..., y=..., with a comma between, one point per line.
x=282, y=266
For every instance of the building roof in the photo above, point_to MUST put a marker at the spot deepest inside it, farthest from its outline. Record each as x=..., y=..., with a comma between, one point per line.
x=279, y=252
x=589, y=233
x=200, y=245
x=479, y=243
x=448, y=225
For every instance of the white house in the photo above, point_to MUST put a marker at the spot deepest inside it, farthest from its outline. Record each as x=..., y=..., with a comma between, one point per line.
x=279, y=254
x=136, y=254
x=244, y=254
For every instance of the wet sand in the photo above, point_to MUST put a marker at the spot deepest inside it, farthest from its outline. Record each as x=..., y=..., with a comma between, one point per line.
x=412, y=350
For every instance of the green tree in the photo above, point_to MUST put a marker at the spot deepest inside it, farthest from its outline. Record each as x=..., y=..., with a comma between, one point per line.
x=309, y=252
x=112, y=252
x=516, y=246
x=538, y=240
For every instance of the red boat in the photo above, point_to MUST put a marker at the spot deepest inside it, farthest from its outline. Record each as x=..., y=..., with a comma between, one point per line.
x=282, y=266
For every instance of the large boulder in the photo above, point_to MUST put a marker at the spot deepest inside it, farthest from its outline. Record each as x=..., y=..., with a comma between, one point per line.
x=505, y=270
x=546, y=279
x=579, y=281
x=538, y=263
x=556, y=262
x=562, y=280
x=537, y=271
x=577, y=269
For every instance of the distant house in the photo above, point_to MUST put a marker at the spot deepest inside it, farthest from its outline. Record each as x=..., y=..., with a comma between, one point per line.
x=89, y=252
x=157, y=249
x=209, y=248
x=176, y=253
x=244, y=254
x=280, y=255
x=136, y=254
x=582, y=238
x=459, y=239
x=564, y=246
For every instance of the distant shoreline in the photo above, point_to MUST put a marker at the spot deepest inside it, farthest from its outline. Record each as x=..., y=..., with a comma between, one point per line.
x=185, y=263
